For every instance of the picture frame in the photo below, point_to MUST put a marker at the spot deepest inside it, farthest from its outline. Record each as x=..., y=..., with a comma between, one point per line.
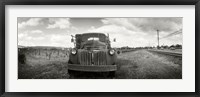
x=99, y=2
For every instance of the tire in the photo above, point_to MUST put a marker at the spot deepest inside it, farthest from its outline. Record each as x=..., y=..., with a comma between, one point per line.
x=69, y=62
x=69, y=71
x=74, y=74
x=118, y=52
x=112, y=74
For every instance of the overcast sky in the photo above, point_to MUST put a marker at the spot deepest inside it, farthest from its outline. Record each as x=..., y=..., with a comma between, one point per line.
x=132, y=32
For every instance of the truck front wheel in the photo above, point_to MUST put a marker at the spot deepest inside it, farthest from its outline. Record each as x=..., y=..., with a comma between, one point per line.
x=112, y=74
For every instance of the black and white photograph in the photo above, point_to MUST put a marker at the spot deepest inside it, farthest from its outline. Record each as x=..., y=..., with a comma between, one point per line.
x=99, y=47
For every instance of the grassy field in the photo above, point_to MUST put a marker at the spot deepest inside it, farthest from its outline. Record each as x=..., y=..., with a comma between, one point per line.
x=43, y=64
x=146, y=65
x=141, y=64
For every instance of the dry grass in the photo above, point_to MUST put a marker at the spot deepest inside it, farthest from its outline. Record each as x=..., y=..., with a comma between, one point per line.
x=145, y=65
x=50, y=71
x=139, y=64
x=40, y=66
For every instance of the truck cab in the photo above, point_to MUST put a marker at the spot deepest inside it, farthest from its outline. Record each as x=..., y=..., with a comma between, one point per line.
x=92, y=53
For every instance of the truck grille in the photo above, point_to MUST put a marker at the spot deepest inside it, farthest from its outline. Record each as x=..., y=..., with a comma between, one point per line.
x=92, y=58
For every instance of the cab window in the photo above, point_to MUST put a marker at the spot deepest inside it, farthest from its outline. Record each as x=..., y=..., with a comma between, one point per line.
x=93, y=38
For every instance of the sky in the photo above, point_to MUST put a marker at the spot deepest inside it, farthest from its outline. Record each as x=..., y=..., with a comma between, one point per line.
x=132, y=32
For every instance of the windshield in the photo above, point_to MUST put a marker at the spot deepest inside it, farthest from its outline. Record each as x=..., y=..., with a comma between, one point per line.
x=94, y=36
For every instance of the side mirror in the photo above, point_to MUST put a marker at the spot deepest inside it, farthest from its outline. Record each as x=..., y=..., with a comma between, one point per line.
x=114, y=40
x=72, y=40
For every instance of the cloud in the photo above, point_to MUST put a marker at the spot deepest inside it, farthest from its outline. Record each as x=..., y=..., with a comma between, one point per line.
x=33, y=34
x=138, y=31
x=147, y=25
x=112, y=29
x=21, y=35
x=36, y=32
x=134, y=32
x=124, y=36
x=30, y=22
x=124, y=22
x=26, y=43
x=60, y=40
x=57, y=38
x=27, y=38
x=61, y=23
x=163, y=24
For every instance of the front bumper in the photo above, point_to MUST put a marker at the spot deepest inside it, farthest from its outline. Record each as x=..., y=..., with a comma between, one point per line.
x=92, y=68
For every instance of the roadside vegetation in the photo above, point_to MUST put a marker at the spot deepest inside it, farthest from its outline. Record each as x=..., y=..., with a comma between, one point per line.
x=139, y=64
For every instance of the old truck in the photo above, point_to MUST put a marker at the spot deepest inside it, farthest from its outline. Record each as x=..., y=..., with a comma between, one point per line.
x=92, y=53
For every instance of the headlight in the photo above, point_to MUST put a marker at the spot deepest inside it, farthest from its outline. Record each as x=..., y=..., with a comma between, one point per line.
x=112, y=52
x=73, y=51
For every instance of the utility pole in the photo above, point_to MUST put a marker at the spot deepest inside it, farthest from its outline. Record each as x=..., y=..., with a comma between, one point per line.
x=158, y=37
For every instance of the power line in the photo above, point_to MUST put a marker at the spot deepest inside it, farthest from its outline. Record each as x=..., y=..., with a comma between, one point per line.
x=172, y=34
